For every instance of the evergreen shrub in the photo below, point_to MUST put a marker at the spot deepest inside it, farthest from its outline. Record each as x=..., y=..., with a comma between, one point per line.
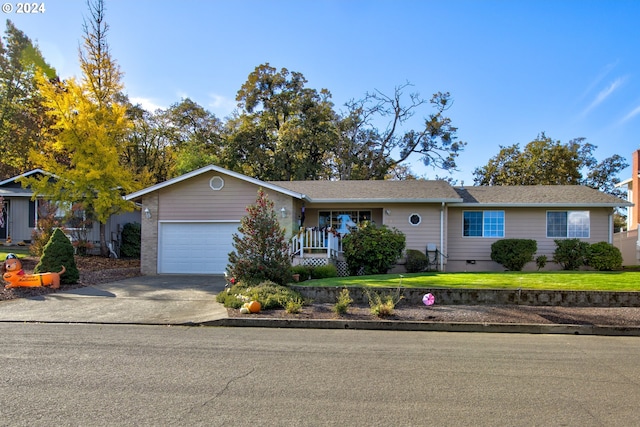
x=416, y=261
x=324, y=271
x=571, y=254
x=373, y=249
x=604, y=256
x=56, y=253
x=513, y=254
x=131, y=240
x=261, y=250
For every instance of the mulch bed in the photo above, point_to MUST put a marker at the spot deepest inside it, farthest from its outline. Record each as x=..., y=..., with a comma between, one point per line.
x=601, y=316
x=93, y=270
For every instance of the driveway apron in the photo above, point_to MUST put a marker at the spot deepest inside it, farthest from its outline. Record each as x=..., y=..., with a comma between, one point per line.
x=151, y=300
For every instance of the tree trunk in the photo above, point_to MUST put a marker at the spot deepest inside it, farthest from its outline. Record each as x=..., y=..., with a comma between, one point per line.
x=104, y=250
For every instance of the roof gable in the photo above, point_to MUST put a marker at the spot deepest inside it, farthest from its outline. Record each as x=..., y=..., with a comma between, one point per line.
x=206, y=169
x=11, y=187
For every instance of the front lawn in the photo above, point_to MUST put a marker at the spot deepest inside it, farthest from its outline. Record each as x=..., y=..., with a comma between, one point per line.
x=20, y=251
x=557, y=280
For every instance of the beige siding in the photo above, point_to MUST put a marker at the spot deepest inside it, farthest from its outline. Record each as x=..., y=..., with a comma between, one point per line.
x=194, y=199
x=418, y=236
x=520, y=223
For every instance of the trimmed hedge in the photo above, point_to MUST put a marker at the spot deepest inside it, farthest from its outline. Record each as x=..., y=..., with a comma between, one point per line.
x=373, y=249
x=571, y=254
x=416, y=261
x=513, y=254
x=604, y=256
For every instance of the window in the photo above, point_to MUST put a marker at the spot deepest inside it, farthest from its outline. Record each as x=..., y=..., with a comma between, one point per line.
x=333, y=218
x=415, y=219
x=483, y=224
x=570, y=224
x=71, y=216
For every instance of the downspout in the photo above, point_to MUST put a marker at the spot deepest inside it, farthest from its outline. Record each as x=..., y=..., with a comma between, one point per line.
x=441, y=237
x=611, y=227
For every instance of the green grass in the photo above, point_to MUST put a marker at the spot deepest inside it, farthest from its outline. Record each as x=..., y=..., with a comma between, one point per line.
x=557, y=280
x=20, y=251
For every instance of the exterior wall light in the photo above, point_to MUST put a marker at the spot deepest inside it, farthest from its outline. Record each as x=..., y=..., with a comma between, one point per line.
x=283, y=211
x=147, y=213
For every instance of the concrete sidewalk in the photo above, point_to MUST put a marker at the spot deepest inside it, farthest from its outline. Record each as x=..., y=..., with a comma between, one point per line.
x=145, y=300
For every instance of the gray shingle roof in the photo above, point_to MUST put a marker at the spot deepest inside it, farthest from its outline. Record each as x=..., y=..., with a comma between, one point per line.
x=360, y=191
x=549, y=195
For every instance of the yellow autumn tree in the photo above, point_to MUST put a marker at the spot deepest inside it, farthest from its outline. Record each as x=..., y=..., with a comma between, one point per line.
x=84, y=146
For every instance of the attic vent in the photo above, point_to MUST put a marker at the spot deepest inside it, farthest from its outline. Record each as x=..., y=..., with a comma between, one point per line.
x=216, y=183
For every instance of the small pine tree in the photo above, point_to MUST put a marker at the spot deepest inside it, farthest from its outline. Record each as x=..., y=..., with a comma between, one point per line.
x=261, y=250
x=56, y=253
x=131, y=240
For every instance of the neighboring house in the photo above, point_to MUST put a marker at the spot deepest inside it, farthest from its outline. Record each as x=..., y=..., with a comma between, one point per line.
x=627, y=240
x=20, y=214
x=188, y=222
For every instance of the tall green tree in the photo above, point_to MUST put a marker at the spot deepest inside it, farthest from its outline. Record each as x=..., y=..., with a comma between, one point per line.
x=364, y=151
x=548, y=162
x=195, y=135
x=148, y=152
x=22, y=115
x=84, y=146
x=283, y=131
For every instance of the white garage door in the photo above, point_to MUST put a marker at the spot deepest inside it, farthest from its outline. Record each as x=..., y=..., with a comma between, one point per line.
x=195, y=247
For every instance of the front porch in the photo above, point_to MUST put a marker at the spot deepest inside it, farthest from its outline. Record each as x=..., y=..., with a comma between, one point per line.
x=315, y=243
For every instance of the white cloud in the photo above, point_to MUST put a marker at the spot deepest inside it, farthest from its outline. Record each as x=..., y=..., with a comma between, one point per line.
x=631, y=115
x=146, y=103
x=220, y=105
x=604, y=94
x=607, y=69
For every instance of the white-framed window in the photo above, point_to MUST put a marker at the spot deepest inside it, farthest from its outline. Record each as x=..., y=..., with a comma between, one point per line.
x=415, y=219
x=568, y=224
x=483, y=223
x=72, y=216
x=333, y=218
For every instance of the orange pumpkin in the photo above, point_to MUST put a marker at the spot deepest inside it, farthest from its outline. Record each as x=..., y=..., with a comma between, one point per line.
x=254, y=307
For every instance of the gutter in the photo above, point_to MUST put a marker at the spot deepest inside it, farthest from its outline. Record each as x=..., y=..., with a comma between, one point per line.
x=542, y=205
x=352, y=201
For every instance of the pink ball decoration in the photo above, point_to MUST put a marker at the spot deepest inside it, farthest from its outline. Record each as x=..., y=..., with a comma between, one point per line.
x=428, y=299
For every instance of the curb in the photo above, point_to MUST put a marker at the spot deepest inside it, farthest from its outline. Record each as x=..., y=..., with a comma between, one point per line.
x=381, y=325
x=512, y=328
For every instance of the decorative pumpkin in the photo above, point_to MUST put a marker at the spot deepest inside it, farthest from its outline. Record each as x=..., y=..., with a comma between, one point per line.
x=244, y=309
x=254, y=307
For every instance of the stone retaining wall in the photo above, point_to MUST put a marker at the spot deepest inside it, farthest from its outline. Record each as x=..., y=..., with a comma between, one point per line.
x=484, y=297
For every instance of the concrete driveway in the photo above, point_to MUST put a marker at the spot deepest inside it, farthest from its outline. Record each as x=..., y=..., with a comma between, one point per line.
x=148, y=300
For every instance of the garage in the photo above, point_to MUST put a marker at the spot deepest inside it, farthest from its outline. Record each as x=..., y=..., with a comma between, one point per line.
x=195, y=247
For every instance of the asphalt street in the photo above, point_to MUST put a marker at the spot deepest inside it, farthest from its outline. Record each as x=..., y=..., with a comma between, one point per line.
x=104, y=375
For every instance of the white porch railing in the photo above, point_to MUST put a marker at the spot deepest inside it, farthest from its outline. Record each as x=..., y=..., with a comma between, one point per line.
x=315, y=241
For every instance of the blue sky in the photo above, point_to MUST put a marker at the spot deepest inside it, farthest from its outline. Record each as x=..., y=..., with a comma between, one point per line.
x=570, y=68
